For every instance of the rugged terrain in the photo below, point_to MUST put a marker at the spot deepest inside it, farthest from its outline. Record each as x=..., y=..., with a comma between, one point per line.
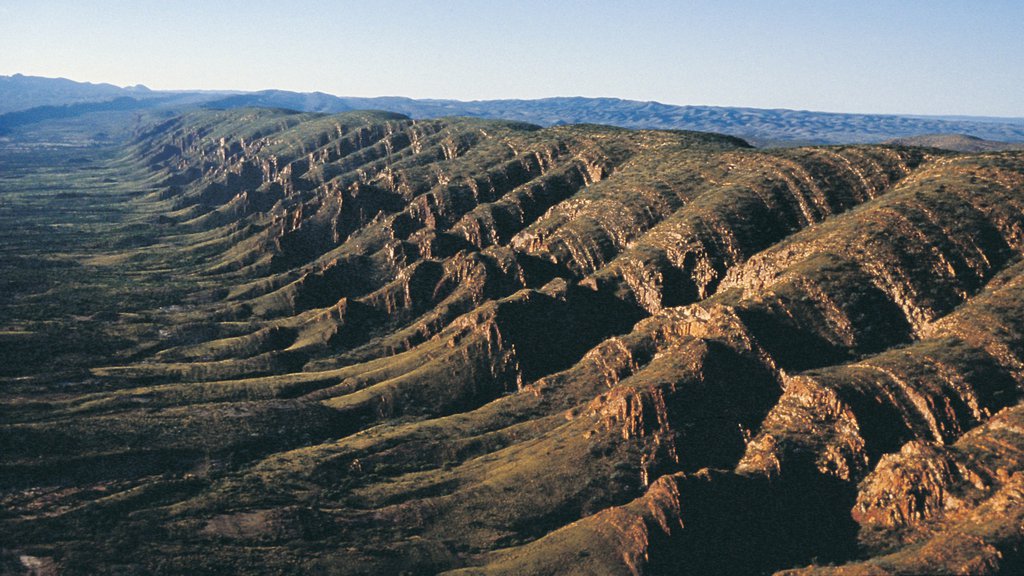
x=257, y=341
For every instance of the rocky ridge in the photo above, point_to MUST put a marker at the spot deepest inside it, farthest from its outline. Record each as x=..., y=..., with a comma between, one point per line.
x=431, y=345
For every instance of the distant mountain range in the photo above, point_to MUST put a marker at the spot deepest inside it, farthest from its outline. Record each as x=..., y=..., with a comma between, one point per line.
x=20, y=92
x=27, y=101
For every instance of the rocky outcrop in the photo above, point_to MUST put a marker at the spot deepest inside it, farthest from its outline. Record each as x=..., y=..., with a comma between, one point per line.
x=956, y=508
x=749, y=202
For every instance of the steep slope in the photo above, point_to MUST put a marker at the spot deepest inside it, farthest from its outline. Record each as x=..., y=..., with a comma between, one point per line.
x=362, y=343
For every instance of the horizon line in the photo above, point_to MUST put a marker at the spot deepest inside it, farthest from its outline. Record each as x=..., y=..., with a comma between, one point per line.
x=236, y=91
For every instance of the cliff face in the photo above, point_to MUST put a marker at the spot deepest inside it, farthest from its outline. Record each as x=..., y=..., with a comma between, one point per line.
x=397, y=345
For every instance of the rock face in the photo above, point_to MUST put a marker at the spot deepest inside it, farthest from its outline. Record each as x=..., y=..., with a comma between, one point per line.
x=389, y=346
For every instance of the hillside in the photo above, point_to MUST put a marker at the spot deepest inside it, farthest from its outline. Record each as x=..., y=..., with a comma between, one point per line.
x=266, y=342
x=955, y=142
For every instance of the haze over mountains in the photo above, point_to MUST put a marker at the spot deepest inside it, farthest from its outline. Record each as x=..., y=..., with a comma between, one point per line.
x=64, y=99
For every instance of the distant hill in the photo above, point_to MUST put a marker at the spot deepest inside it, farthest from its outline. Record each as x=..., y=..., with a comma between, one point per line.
x=303, y=102
x=20, y=92
x=23, y=94
x=956, y=142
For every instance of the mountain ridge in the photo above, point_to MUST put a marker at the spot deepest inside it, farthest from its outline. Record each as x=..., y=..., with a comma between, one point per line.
x=284, y=342
x=760, y=126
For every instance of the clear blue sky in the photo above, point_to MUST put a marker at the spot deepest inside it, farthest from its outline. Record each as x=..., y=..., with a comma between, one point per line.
x=895, y=56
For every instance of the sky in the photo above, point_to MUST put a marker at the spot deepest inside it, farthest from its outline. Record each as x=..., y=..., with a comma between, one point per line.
x=870, y=56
